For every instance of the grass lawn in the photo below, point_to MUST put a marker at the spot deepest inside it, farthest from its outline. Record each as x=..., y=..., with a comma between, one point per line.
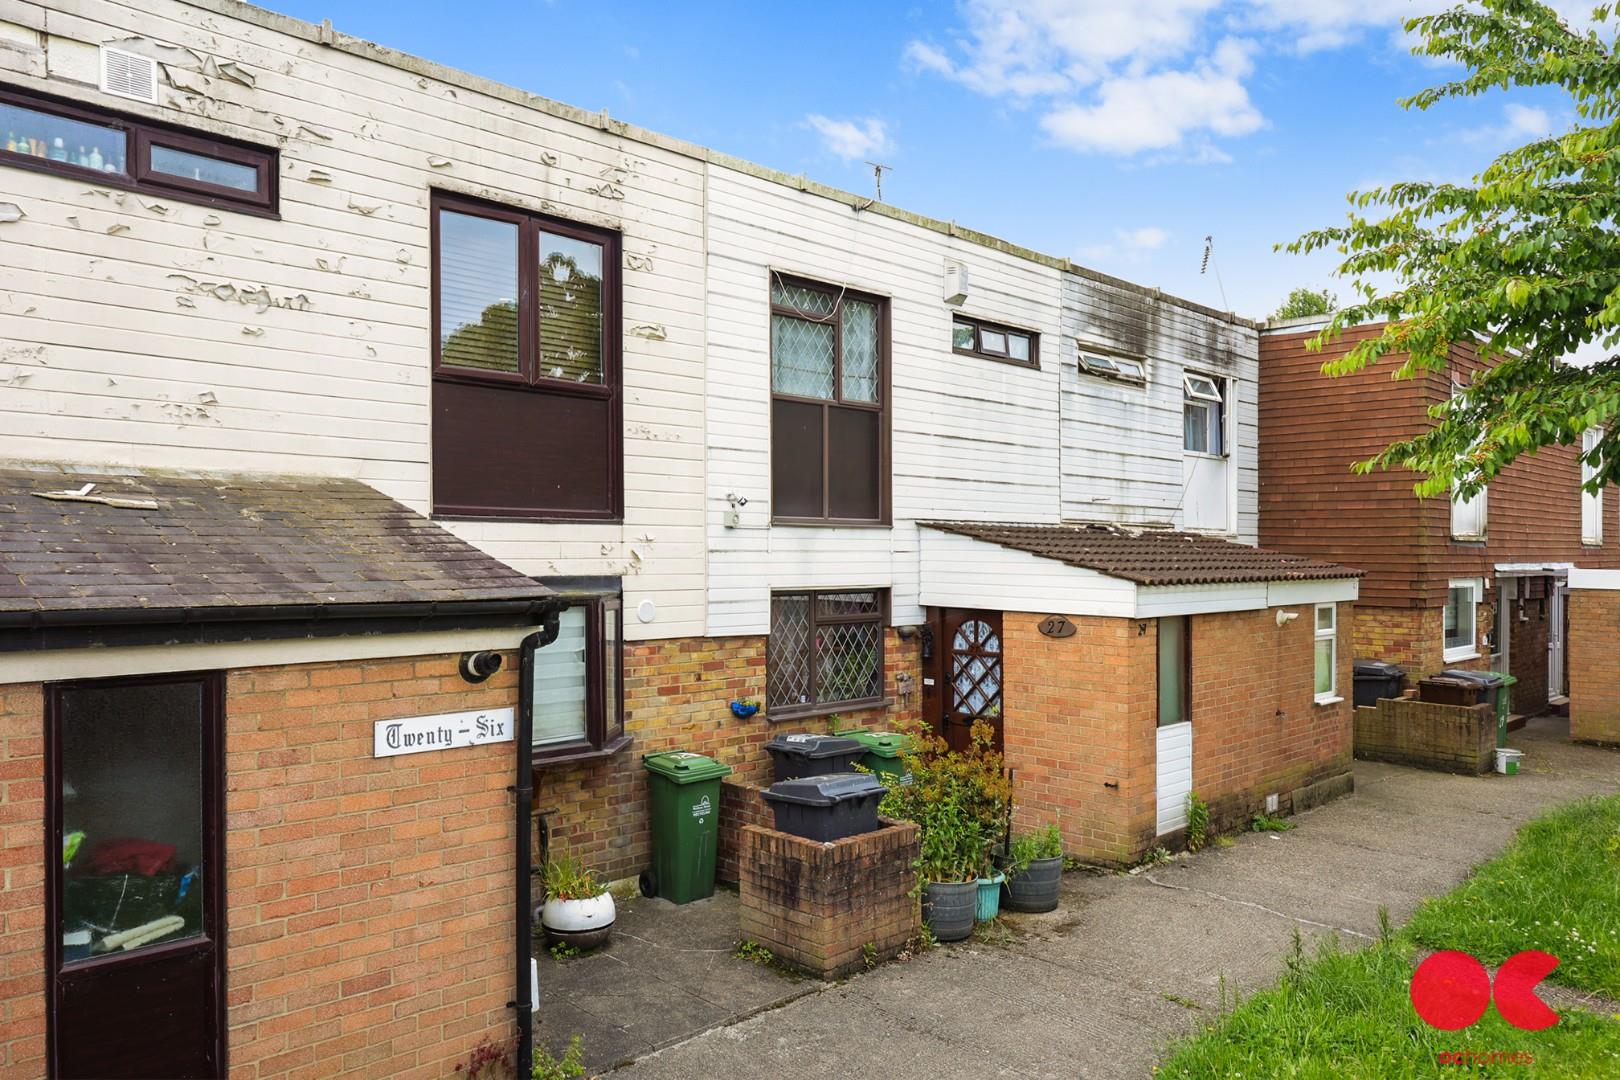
x=1349, y=1014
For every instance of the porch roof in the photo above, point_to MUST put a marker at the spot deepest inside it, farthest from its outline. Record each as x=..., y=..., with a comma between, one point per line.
x=1155, y=557
x=150, y=541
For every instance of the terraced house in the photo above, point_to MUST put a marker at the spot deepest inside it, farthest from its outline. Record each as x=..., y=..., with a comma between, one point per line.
x=391, y=458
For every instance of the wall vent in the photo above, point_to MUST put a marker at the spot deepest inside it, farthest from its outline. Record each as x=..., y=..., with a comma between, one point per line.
x=129, y=75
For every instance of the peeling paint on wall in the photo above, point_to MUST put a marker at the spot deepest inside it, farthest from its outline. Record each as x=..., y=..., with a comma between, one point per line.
x=256, y=296
x=650, y=331
x=635, y=261
x=10, y=212
x=362, y=209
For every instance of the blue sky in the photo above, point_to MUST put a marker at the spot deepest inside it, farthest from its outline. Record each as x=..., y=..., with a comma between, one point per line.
x=1118, y=134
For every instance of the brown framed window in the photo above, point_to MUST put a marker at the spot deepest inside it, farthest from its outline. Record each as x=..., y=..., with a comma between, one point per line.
x=829, y=410
x=526, y=365
x=576, y=689
x=825, y=651
x=114, y=149
x=1175, y=671
x=992, y=341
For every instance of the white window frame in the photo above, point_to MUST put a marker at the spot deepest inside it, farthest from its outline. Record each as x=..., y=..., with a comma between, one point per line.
x=1113, y=367
x=1454, y=653
x=1330, y=696
x=1468, y=516
x=1203, y=392
x=1591, y=501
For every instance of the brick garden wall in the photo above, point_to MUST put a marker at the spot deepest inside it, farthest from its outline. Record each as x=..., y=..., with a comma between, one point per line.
x=370, y=915
x=1594, y=665
x=742, y=803
x=1082, y=713
x=677, y=695
x=22, y=875
x=1450, y=738
x=826, y=907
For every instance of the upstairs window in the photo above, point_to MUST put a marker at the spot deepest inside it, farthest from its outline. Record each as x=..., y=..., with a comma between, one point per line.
x=526, y=405
x=1468, y=516
x=829, y=421
x=972, y=337
x=1203, y=414
x=1113, y=367
x=1591, y=501
x=111, y=149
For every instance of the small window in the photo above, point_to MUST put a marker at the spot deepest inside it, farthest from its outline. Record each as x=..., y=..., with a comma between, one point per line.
x=1591, y=501
x=576, y=684
x=976, y=338
x=1113, y=367
x=1461, y=623
x=1327, y=654
x=526, y=407
x=829, y=417
x=825, y=652
x=1175, y=671
x=122, y=151
x=1203, y=414
x=1468, y=516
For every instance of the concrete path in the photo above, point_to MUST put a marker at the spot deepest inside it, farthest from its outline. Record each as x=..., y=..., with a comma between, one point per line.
x=1129, y=963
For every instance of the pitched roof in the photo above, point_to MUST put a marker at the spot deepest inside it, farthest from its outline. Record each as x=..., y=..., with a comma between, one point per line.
x=190, y=540
x=1149, y=556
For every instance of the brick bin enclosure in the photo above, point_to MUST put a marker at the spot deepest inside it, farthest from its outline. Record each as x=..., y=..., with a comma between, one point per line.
x=1594, y=666
x=741, y=803
x=1450, y=738
x=830, y=908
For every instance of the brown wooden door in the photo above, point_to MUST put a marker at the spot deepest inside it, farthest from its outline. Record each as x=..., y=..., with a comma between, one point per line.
x=134, y=939
x=967, y=650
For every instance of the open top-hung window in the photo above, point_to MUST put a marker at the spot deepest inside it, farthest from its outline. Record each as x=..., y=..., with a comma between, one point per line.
x=1203, y=414
x=1113, y=367
x=829, y=422
x=112, y=149
x=525, y=365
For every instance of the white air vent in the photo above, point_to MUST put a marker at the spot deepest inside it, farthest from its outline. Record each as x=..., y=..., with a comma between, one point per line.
x=128, y=75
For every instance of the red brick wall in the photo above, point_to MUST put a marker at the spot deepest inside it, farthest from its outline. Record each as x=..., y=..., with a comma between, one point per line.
x=677, y=697
x=22, y=874
x=370, y=900
x=1450, y=738
x=1082, y=714
x=742, y=803
x=1257, y=729
x=1594, y=665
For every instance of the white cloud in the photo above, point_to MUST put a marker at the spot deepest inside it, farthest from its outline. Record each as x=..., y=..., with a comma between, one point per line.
x=1520, y=124
x=1147, y=238
x=1128, y=245
x=852, y=140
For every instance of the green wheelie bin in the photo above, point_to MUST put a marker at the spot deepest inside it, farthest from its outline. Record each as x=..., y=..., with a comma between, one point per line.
x=684, y=790
x=885, y=750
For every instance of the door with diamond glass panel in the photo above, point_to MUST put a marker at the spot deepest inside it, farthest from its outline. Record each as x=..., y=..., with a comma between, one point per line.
x=970, y=674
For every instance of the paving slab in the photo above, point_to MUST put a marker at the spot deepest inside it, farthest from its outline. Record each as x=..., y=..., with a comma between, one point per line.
x=1130, y=962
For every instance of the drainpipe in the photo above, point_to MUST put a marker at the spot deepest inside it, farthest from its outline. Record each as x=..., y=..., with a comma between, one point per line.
x=523, y=788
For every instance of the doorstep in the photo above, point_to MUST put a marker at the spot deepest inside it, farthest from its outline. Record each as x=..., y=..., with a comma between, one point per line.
x=667, y=974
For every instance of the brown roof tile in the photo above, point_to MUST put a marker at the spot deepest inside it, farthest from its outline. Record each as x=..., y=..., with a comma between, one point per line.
x=1149, y=556
x=228, y=540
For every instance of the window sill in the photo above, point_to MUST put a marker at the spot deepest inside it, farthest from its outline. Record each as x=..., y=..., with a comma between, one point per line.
x=810, y=712
x=538, y=517
x=832, y=523
x=1328, y=699
x=573, y=756
x=1456, y=656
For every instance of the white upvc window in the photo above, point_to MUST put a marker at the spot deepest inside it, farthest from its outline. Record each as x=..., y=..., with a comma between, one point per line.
x=1461, y=620
x=1591, y=501
x=1467, y=515
x=1327, y=654
x=1113, y=367
x=1203, y=415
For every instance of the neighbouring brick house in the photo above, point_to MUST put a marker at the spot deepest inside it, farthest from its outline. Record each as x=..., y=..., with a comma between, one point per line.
x=211, y=687
x=1594, y=661
x=1481, y=584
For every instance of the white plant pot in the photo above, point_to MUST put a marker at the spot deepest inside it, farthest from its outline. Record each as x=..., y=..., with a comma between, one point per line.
x=584, y=924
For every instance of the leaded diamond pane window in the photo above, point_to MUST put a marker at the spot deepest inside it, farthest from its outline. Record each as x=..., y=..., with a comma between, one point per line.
x=826, y=650
x=802, y=357
x=860, y=351
x=975, y=680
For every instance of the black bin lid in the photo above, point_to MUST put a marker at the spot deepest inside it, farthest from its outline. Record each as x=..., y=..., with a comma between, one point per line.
x=1379, y=669
x=814, y=746
x=824, y=790
x=1486, y=679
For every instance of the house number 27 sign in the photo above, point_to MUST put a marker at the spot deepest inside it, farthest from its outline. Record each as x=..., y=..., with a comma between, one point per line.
x=1055, y=626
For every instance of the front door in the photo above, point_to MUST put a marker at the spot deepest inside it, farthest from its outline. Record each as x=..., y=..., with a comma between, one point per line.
x=134, y=878
x=1557, y=632
x=1173, y=747
x=967, y=648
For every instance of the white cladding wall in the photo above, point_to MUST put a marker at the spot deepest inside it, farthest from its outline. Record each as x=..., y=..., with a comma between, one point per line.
x=150, y=331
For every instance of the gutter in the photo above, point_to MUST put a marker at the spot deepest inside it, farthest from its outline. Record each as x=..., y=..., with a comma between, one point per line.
x=523, y=989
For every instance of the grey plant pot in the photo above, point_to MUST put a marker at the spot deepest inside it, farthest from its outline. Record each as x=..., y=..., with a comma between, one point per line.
x=949, y=908
x=1038, y=888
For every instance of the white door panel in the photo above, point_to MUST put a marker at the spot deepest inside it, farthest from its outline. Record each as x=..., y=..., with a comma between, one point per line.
x=1174, y=775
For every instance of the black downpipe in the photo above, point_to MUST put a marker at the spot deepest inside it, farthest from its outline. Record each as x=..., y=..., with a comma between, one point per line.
x=523, y=788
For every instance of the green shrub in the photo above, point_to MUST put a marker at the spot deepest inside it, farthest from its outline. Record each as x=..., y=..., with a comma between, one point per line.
x=958, y=798
x=567, y=879
x=1197, y=821
x=1044, y=843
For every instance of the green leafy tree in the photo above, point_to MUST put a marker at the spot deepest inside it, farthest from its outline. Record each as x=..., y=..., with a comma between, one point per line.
x=1303, y=302
x=1524, y=260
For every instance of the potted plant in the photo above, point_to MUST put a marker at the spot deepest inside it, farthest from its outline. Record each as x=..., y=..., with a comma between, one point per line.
x=957, y=798
x=578, y=911
x=743, y=708
x=1034, y=868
